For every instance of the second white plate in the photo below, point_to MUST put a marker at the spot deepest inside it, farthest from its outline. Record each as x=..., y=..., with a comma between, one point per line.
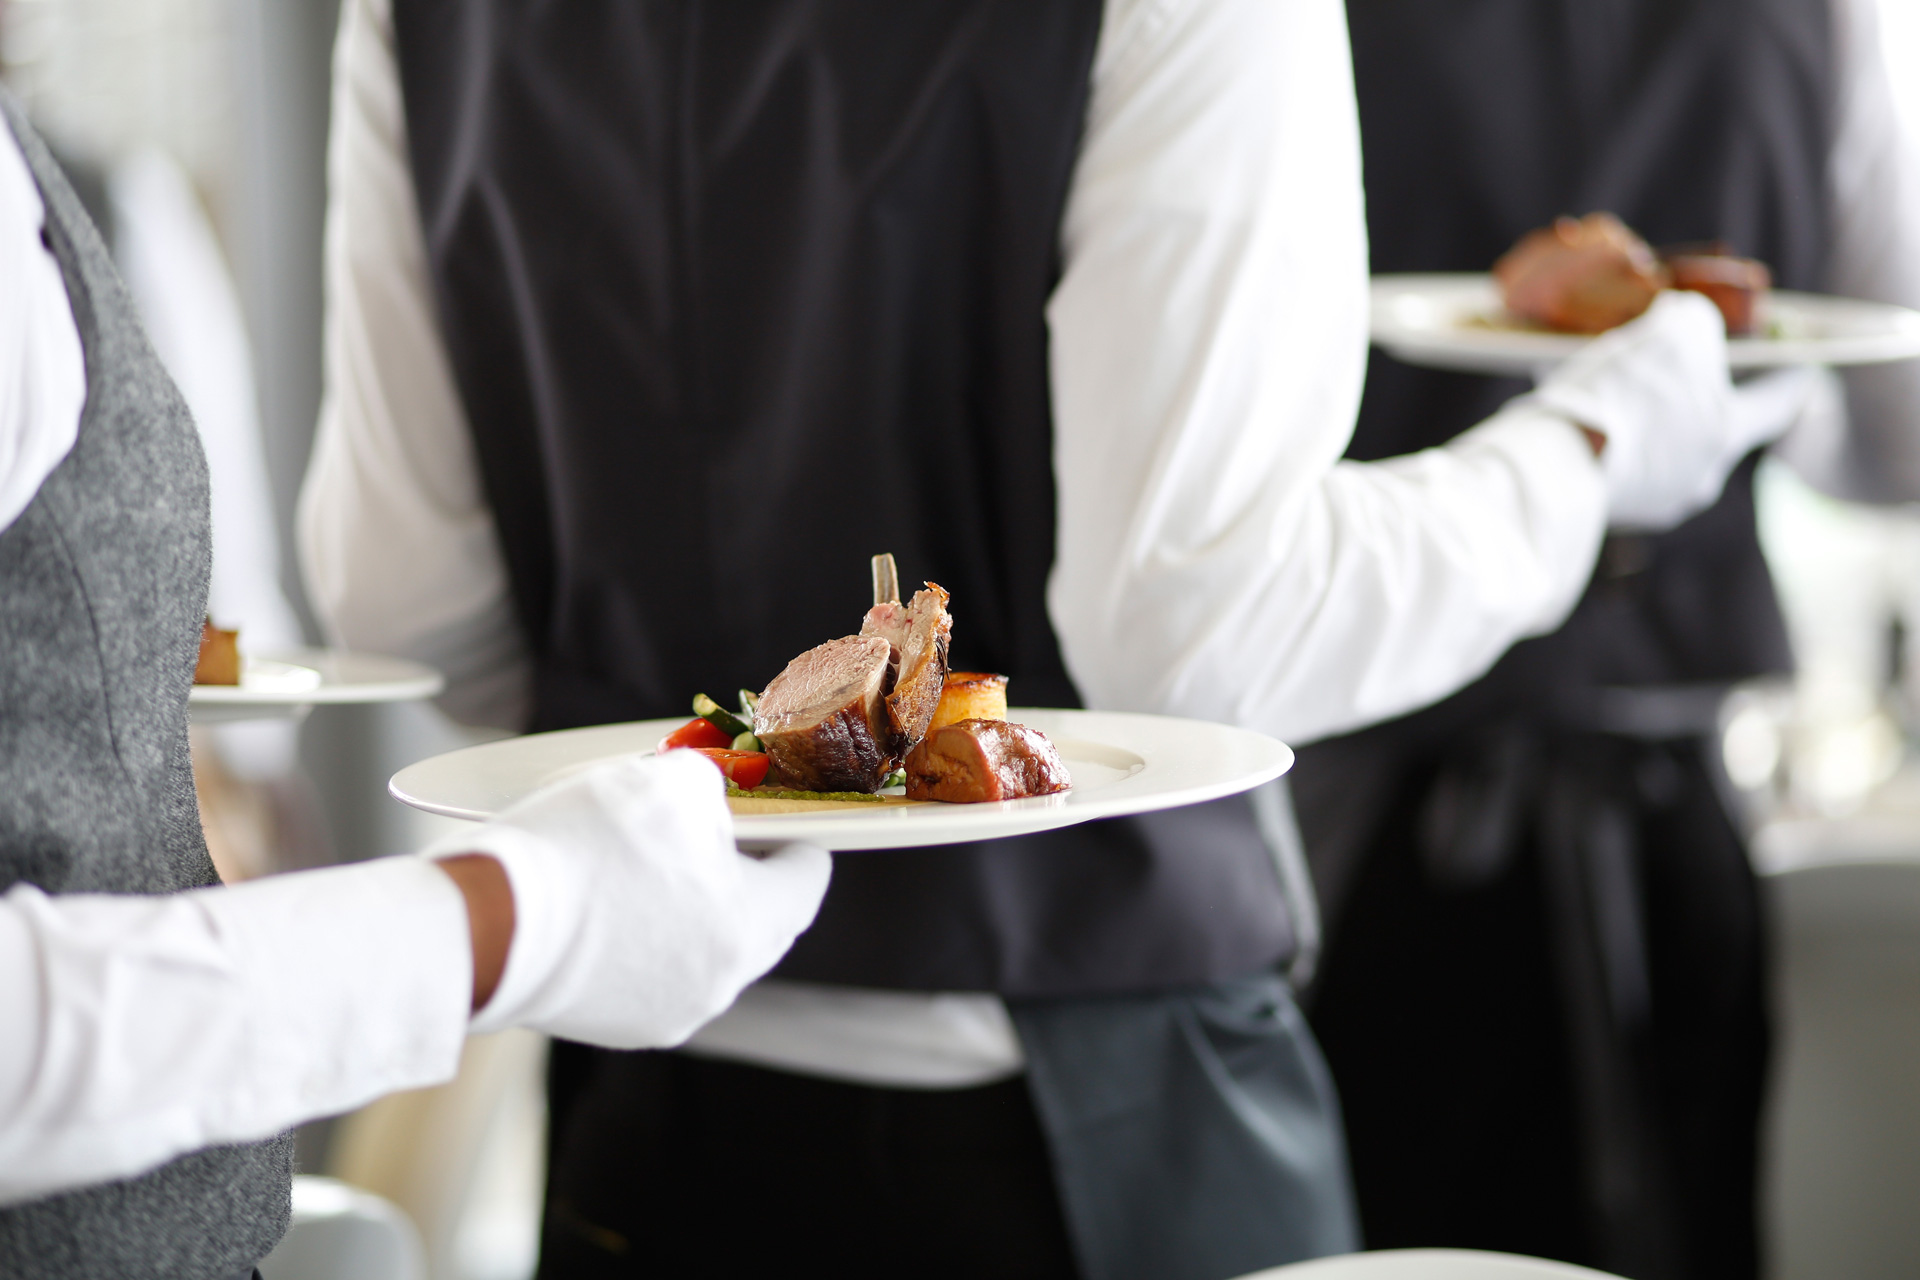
x=286, y=683
x=1121, y=764
x=1454, y=322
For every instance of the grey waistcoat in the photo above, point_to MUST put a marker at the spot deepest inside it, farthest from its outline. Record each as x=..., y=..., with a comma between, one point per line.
x=103, y=583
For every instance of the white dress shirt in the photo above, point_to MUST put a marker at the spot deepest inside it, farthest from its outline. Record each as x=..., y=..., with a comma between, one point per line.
x=43, y=379
x=1209, y=338
x=1215, y=557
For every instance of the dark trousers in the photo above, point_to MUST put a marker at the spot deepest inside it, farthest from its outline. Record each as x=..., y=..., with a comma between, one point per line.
x=1543, y=1002
x=666, y=1164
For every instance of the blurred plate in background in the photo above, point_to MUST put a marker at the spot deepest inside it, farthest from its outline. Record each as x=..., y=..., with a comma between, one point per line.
x=286, y=682
x=1457, y=322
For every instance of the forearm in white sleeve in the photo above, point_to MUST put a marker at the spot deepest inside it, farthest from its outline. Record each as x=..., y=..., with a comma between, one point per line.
x=136, y=1029
x=1214, y=556
x=1867, y=448
x=396, y=539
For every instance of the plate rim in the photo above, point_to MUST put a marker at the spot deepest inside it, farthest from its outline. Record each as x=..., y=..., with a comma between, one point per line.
x=899, y=827
x=1441, y=347
x=410, y=682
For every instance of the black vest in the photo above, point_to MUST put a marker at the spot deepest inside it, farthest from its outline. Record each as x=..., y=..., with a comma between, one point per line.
x=1692, y=120
x=103, y=584
x=737, y=295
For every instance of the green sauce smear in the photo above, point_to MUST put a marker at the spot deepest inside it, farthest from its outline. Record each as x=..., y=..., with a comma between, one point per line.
x=763, y=794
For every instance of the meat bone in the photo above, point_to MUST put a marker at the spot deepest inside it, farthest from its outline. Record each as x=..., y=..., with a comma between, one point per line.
x=886, y=579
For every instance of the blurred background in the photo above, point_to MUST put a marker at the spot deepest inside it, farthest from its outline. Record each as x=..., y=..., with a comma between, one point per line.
x=197, y=130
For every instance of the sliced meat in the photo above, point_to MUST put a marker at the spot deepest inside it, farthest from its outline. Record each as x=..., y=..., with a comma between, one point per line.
x=917, y=636
x=892, y=622
x=824, y=719
x=1581, y=275
x=976, y=760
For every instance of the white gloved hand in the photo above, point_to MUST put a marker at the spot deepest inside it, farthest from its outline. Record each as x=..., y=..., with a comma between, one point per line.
x=635, y=918
x=1658, y=389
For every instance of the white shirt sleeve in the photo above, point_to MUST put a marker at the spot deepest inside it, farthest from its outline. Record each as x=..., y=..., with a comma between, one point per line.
x=1215, y=557
x=1867, y=448
x=135, y=1029
x=396, y=539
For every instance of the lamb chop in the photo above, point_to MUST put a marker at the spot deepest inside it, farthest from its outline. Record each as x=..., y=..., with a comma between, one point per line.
x=917, y=636
x=975, y=760
x=843, y=715
x=824, y=719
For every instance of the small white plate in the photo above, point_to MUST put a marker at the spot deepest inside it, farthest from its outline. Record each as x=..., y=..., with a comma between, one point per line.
x=1456, y=322
x=1120, y=764
x=285, y=683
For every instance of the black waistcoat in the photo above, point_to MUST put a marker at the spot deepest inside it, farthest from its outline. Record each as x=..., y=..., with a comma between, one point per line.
x=1692, y=120
x=739, y=294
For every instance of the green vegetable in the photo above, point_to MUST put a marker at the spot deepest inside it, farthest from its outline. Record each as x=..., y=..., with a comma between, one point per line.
x=746, y=742
x=898, y=778
x=763, y=793
x=749, y=703
x=719, y=717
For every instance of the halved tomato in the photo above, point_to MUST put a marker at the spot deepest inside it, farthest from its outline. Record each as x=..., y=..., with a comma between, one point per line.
x=695, y=733
x=744, y=769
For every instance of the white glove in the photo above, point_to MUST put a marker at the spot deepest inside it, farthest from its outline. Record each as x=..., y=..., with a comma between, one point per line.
x=635, y=918
x=1658, y=389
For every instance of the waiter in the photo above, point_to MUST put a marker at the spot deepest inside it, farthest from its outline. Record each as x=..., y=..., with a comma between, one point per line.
x=650, y=323
x=1544, y=996
x=158, y=1033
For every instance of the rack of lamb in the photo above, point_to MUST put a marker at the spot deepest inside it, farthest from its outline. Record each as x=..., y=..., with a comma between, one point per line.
x=844, y=715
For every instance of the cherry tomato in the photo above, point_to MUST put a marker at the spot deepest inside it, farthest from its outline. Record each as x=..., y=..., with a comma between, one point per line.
x=744, y=769
x=695, y=733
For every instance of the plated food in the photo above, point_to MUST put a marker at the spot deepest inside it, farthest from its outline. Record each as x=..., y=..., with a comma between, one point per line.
x=858, y=715
x=1588, y=275
x=844, y=715
x=1122, y=763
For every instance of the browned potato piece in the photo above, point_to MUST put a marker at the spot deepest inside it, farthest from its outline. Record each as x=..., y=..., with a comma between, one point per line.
x=970, y=695
x=219, y=656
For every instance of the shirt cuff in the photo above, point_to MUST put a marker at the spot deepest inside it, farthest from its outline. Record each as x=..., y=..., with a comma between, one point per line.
x=1562, y=492
x=357, y=983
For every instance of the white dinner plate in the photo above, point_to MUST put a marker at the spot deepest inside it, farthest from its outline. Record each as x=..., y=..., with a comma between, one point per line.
x=1456, y=322
x=1120, y=764
x=287, y=682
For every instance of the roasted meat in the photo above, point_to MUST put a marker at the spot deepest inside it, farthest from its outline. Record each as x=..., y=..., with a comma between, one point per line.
x=825, y=721
x=1590, y=274
x=917, y=635
x=843, y=716
x=976, y=760
x=1736, y=285
x=1582, y=275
